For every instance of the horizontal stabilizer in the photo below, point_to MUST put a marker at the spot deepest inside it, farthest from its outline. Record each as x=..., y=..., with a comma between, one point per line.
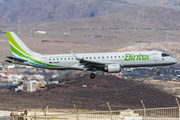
x=9, y=61
x=13, y=58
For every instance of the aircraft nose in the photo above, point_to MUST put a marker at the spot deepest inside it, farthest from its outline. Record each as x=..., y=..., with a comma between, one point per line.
x=174, y=60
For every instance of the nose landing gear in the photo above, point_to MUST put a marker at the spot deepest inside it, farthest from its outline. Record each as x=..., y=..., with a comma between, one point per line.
x=158, y=72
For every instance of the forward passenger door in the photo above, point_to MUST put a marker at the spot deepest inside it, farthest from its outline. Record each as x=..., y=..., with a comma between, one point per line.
x=155, y=57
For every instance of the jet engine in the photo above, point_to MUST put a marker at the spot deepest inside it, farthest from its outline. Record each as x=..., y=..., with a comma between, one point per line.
x=113, y=68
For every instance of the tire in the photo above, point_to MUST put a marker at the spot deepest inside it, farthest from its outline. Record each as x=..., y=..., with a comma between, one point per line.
x=158, y=73
x=92, y=76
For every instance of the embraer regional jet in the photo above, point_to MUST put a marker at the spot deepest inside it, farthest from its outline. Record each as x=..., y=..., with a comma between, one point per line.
x=110, y=62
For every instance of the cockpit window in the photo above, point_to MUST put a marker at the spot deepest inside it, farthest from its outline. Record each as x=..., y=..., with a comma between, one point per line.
x=164, y=55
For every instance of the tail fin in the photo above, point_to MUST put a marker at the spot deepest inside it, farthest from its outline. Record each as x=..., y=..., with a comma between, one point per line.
x=18, y=48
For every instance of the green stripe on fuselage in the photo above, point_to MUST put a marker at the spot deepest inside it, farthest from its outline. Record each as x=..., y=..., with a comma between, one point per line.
x=33, y=60
x=18, y=53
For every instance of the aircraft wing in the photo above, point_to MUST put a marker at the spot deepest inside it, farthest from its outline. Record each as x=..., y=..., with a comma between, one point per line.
x=89, y=63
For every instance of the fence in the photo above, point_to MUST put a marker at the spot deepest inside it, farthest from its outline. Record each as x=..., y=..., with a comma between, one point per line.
x=172, y=113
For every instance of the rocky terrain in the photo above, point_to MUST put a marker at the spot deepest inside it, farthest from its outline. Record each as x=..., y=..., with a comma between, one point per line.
x=134, y=27
x=120, y=93
x=33, y=10
x=170, y=87
x=40, y=10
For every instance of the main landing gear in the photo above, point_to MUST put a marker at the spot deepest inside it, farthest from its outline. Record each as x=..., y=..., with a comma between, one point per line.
x=158, y=72
x=92, y=76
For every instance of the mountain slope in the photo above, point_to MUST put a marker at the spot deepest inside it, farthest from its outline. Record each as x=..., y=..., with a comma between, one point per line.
x=120, y=93
x=37, y=10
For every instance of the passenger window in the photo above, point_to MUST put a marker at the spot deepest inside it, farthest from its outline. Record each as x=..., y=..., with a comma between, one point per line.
x=111, y=56
x=98, y=57
x=119, y=57
x=64, y=58
x=90, y=58
x=82, y=57
x=114, y=56
x=103, y=57
x=86, y=57
x=107, y=57
x=94, y=57
x=49, y=59
x=61, y=59
x=72, y=58
x=122, y=56
x=53, y=59
x=57, y=58
x=69, y=58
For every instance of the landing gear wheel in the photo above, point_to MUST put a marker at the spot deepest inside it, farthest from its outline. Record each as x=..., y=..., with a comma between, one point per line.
x=158, y=73
x=92, y=76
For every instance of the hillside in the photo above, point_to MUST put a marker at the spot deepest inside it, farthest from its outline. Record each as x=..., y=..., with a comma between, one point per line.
x=174, y=4
x=120, y=93
x=33, y=10
x=102, y=34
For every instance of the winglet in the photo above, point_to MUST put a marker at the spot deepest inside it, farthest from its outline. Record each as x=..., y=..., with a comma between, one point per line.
x=77, y=58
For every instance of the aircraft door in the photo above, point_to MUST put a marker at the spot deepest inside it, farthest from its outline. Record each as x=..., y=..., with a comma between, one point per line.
x=44, y=61
x=155, y=57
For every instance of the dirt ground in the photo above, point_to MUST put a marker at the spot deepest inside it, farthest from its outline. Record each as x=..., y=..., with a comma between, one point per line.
x=120, y=93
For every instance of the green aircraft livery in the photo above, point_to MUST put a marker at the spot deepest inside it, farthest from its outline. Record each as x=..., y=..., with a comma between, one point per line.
x=136, y=57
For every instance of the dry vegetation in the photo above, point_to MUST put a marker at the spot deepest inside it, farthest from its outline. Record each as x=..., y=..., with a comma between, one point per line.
x=120, y=93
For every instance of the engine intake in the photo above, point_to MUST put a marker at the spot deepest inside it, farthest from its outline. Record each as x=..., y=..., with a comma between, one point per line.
x=113, y=68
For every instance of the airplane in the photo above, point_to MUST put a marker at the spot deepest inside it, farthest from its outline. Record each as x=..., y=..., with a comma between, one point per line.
x=111, y=62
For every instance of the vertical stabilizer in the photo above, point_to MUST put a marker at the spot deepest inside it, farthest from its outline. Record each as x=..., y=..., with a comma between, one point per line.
x=18, y=48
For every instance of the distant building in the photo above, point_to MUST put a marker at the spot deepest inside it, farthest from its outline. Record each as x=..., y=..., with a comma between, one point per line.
x=54, y=82
x=40, y=32
x=19, y=88
x=11, y=66
x=32, y=86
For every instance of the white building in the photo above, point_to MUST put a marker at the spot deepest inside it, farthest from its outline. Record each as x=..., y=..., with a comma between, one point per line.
x=40, y=32
x=19, y=88
x=54, y=82
x=11, y=66
x=14, y=77
x=32, y=86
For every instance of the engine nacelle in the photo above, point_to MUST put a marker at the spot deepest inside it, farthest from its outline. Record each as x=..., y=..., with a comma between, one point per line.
x=113, y=68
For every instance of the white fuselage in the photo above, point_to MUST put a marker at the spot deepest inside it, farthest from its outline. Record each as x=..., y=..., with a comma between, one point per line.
x=111, y=62
x=125, y=59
